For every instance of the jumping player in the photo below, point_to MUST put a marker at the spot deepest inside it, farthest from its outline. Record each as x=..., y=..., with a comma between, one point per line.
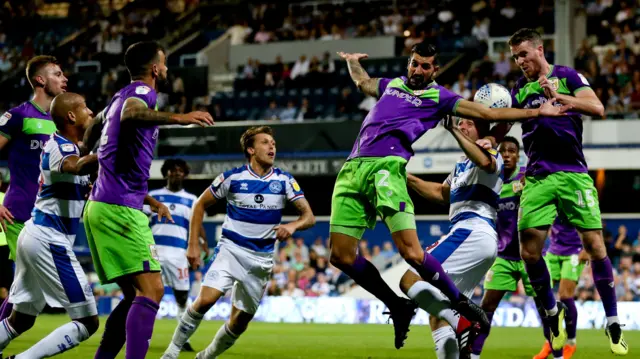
x=557, y=181
x=256, y=194
x=508, y=268
x=468, y=251
x=25, y=130
x=118, y=231
x=373, y=180
x=172, y=237
x=565, y=259
x=47, y=271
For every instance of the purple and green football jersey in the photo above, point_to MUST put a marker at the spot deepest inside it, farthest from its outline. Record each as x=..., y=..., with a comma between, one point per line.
x=552, y=144
x=564, y=238
x=400, y=117
x=507, y=224
x=28, y=128
x=126, y=151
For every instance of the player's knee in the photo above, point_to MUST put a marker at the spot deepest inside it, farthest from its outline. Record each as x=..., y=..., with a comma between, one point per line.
x=594, y=244
x=529, y=255
x=91, y=324
x=341, y=258
x=21, y=322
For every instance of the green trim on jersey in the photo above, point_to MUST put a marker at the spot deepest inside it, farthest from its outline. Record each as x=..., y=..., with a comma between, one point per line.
x=581, y=88
x=8, y=136
x=37, y=126
x=38, y=108
x=507, y=188
x=534, y=88
x=432, y=94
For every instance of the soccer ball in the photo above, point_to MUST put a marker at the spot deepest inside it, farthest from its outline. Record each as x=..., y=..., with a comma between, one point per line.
x=493, y=96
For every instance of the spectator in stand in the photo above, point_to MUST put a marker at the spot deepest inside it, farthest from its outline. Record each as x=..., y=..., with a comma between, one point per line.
x=288, y=114
x=297, y=262
x=480, y=30
x=262, y=36
x=304, y=250
x=273, y=289
x=272, y=112
x=461, y=87
x=387, y=250
x=327, y=65
x=306, y=112
x=300, y=68
x=377, y=259
x=321, y=287
x=319, y=247
x=239, y=33
x=502, y=68
x=292, y=291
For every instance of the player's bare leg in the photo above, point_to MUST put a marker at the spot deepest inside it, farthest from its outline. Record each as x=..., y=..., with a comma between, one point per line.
x=227, y=334
x=452, y=333
x=432, y=272
x=345, y=257
x=490, y=302
x=191, y=320
x=603, y=279
x=531, y=244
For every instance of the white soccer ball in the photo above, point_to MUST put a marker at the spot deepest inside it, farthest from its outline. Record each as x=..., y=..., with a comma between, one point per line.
x=493, y=96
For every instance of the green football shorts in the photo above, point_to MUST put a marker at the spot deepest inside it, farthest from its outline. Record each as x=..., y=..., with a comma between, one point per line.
x=368, y=187
x=570, y=193
x=13, y=231
x=564, y=267
x=120, y=240
x=505, y=274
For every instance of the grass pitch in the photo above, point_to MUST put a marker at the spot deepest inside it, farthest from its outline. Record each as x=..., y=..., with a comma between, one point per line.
x=268, y=340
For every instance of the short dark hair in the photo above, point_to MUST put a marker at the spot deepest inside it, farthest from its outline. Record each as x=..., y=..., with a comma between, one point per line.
x=36, y=64
x=512, y=140
x=140, y=56
x=525, y=34
x=248, y=137
x=426, y=49
x=172, y=163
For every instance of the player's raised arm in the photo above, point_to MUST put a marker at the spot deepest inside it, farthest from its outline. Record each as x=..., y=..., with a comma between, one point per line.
x=205, y=201
x=481, y=157
x=360, y=77
x=478, y=111
x=80, y=166
x=432, y=191
x=137, y=111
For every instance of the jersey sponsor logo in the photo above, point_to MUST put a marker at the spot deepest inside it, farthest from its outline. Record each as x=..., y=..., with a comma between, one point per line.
x=583, y=79
x=5, y=118
x=295, y=185
x=37, y=145
x=258, y=198
x=142, y=90
x=507, y=206
x=172, y=207
x=218, y=180
x=275, y=186
x=67, y=147
x=404, y=96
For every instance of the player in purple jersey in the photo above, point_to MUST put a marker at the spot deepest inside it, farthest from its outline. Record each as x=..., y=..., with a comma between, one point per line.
x=557, y=182
x=118, y=232
x=373, y=180
x=24, y=130
x=565, y=259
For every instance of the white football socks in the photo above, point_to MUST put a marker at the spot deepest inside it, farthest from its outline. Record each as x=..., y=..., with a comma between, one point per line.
x=433, y=302
x=223, y=340
x=187, y=326
x=60, y=340
x=446, y=343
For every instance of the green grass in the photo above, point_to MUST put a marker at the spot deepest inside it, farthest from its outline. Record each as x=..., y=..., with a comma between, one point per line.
x=266, y=340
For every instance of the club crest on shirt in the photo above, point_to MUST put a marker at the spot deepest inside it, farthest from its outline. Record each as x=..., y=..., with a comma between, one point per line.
x=275, y=186
x=554, y=84
x=154, y=252
x=5, y=118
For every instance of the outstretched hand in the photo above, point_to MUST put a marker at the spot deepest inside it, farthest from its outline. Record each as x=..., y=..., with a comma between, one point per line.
x=355, y=56
x=200, y=118
x=550, y=109
x=449, y=122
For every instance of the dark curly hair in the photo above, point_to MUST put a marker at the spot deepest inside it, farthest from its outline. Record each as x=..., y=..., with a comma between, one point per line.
x=173, y=163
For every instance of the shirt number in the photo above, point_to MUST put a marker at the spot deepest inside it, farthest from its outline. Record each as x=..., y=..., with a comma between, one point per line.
x=588, y=195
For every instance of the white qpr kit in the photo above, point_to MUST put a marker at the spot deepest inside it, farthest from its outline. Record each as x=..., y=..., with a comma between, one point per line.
x=47, y=271
x=244, y=256
x=471, y=246
x=172, y=238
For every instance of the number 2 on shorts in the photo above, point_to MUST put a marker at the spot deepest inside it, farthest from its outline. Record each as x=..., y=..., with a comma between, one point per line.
x=383, y=181
x=588, y=195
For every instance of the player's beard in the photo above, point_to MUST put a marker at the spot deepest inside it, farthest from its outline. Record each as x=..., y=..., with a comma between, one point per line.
x=418, y=83
x=162, y=83
x=51, y=92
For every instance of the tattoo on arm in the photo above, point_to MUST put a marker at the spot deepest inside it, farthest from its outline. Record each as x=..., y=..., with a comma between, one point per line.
x=361, y=78
x=135, y=110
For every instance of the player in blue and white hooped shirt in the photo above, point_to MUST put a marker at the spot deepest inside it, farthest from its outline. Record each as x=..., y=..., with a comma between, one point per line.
x=256, y=195
x=172, y=237
x=468, y=251
x=47, y=271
